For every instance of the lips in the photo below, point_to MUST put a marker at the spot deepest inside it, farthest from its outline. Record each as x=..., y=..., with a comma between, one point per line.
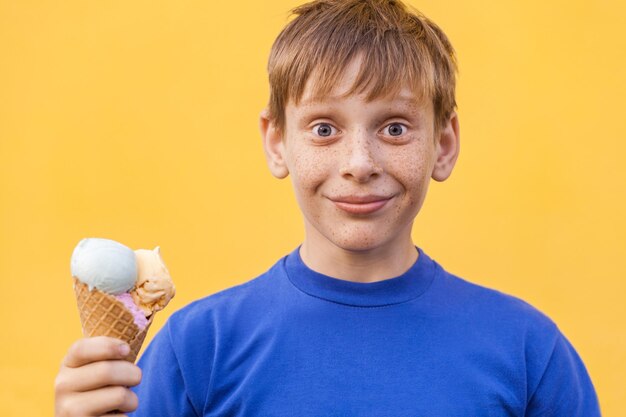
x=361, y=204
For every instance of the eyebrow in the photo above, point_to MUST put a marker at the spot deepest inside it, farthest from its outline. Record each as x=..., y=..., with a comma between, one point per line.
x=330, y=110
x=323, y=100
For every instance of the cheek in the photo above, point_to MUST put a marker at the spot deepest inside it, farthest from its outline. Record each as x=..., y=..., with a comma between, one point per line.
x=308, y=167
x=411, y=165
x=412, y=169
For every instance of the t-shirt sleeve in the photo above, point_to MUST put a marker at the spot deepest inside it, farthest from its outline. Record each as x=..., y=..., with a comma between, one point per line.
x=565, y=388
x=162, y=389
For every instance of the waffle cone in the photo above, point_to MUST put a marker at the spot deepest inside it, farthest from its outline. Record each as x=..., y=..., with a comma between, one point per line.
x=102, y=314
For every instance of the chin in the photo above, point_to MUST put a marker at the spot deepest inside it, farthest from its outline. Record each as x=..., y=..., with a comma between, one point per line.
x=357, y=242
x=357, y=236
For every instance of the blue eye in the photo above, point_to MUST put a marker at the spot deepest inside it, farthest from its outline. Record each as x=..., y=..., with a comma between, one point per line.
x=324, y=129
x=395, y=129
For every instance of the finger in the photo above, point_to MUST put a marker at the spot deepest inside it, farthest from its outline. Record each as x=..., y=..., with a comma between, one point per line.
x=93, y=349
x=102, y=401
x=97, y=375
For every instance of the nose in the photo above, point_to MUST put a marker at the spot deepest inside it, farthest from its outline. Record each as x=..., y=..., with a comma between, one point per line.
x=359, y=161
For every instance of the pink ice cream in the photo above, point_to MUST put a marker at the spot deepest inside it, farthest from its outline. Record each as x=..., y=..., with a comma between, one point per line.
x=138, y=316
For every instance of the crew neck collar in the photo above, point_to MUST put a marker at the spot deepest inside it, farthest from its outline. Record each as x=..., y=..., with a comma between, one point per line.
x=413, y=283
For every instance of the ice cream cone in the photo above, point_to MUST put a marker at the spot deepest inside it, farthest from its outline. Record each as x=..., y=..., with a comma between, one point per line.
x=102, y=314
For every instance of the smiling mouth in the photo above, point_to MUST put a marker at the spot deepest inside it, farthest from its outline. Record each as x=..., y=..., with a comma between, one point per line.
x=361, y=205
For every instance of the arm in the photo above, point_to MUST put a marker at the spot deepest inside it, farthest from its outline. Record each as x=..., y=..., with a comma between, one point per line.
x=565, y=389
x=163, y=390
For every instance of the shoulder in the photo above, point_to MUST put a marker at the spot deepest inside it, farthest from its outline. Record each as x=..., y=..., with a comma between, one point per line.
x=226, y=305
x=488, y=307
x=519, y=337
x=500, y=324
x=180, y=356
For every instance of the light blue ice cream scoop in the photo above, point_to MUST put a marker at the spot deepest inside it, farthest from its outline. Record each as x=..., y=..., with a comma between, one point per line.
x=104, y=264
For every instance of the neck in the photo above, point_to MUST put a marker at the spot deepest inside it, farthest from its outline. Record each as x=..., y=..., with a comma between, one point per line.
x=364, y=265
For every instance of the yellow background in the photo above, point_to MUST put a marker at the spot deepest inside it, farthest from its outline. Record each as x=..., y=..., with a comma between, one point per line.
x=137, y=121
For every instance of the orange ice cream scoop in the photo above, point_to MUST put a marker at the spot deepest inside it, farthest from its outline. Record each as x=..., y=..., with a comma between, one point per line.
x=154, y=287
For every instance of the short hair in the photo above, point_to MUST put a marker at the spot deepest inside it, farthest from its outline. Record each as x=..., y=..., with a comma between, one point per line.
x=399, y=47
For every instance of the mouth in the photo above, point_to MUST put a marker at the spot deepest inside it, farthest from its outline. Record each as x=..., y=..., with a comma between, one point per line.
x=361, y=204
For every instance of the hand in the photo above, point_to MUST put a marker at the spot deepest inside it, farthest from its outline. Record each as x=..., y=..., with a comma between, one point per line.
x=94, y=379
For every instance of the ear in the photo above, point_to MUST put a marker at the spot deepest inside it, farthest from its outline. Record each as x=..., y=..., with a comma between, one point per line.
x=273, y=145
x=157, y=250
x=447, y=149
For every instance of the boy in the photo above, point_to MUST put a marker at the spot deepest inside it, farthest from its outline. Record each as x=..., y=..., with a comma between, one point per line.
x=357, y=321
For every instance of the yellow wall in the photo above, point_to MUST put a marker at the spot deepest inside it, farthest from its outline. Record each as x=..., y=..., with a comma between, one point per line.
x=137, y=120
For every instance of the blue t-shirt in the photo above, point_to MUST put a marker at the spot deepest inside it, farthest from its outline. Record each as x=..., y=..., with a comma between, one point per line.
x=293, y=342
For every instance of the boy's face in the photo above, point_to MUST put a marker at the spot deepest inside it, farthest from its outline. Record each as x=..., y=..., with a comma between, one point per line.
x=360, y=170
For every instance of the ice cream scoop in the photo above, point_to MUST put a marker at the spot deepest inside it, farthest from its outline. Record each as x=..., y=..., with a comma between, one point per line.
x=104, y=264
x=154, y=287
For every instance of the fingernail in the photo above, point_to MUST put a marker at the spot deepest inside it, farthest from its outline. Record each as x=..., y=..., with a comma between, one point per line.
x=124, y=349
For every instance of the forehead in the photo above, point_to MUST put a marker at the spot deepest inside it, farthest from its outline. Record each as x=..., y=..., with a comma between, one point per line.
x=405, y=98
x=349, y=84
